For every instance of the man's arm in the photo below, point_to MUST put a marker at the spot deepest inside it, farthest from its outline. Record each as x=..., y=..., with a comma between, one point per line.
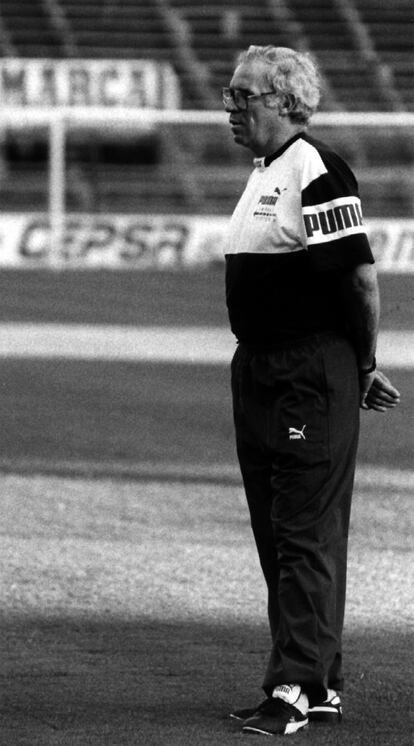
x=362, y=308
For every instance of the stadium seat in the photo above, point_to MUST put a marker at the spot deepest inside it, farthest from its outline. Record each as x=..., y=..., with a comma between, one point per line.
x=363, y=47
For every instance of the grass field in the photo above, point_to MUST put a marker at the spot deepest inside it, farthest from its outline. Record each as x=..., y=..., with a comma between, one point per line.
x=134, y=613
x=133, y=610
x=59, y=411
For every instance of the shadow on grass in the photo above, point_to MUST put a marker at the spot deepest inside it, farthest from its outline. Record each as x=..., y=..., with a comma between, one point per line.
x=78, y=682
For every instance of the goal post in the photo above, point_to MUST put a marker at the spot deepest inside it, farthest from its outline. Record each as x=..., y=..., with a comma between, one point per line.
x=115, y=120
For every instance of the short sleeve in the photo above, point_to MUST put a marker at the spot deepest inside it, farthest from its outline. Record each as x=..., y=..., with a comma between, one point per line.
x=331, y=210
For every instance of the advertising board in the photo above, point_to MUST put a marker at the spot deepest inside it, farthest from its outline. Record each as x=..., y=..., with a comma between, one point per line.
x=140, y=241
x=46, y=83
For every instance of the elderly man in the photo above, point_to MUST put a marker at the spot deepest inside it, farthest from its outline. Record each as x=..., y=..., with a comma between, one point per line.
x=303, y=302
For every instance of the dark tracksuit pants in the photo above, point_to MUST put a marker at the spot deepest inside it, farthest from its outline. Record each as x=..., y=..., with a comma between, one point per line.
x=296, y=413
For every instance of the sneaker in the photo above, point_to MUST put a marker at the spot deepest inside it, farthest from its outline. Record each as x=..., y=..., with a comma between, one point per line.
x=329, y=711
x=284, y=713
x=248, y=711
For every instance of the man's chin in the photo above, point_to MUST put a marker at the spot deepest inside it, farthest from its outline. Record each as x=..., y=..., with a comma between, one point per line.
x=240, y=139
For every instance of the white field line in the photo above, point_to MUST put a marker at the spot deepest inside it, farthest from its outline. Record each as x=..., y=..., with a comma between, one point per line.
x=367, y=476
x=192, y=344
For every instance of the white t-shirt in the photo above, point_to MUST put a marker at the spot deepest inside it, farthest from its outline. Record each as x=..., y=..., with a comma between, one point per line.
x=297, y=226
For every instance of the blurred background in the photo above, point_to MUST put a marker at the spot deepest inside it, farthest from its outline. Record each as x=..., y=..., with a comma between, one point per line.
x=126, y=606
x=364, y=47
x=115, y=155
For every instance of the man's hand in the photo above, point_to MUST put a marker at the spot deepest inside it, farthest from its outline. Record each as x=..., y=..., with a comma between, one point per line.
x=377, y=392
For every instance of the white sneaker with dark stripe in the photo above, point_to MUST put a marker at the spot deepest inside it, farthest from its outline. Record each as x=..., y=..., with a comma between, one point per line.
x=329, y=711
x=284, y=713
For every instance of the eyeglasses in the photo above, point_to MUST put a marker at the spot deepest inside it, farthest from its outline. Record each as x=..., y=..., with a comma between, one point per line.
x=235, y=97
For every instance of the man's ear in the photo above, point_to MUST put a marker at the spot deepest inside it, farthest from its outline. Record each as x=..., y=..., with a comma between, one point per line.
x=286, y=104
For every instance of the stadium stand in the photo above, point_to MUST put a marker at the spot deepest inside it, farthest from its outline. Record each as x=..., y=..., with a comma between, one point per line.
x=364, y=48
x=27, y=30
x=112, y=30
x=390, y=26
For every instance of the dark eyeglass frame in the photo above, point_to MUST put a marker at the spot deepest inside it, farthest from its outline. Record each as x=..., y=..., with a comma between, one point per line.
x=239, y=99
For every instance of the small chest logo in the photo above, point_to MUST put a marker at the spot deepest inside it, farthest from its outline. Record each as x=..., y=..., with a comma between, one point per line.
x=295, y=434
x=266, y=206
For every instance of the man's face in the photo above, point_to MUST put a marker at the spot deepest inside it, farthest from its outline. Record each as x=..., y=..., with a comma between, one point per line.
x=257, y=126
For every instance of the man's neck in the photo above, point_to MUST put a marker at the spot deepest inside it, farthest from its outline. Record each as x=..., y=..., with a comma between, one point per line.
x=278, y=142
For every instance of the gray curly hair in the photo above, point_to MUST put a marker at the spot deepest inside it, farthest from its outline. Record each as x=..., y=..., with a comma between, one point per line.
x=294, y=76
